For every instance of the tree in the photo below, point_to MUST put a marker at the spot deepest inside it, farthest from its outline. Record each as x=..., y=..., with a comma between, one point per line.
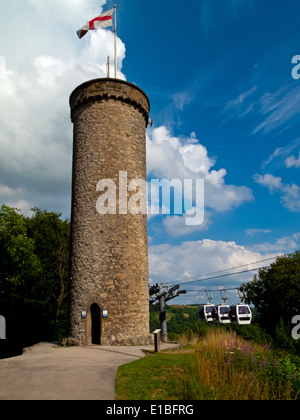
x=51, y=235
x=275, y=292
x=18, y=260
x=34, y=262
x=19, y=268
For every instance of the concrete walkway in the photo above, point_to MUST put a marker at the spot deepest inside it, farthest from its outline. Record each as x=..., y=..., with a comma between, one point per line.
x=48, y=372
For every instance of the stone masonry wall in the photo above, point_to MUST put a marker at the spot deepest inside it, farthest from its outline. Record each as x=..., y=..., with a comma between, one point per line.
x=109, y=255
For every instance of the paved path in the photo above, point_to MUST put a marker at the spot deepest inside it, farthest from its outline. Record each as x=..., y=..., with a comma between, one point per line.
x=48, y=372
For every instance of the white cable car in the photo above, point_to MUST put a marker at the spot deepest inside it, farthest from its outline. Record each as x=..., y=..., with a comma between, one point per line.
x=208, y=312
x=224, y=314
x=241, y=314
x=224, y=310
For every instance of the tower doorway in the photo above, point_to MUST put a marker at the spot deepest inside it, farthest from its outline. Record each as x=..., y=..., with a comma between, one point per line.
x=96, y=324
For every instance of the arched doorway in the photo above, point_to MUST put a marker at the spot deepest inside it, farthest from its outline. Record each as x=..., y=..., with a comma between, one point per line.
x=96, y=324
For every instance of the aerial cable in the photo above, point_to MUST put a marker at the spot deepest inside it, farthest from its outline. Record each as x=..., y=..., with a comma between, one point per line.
x=214, y=290
x=231, y=274
x=222, y=271
x=223, y=275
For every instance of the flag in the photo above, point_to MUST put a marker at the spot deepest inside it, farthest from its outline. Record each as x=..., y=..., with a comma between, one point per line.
x=102, y=21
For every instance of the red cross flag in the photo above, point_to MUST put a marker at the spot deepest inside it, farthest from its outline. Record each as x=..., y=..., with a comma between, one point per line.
x=102, y=21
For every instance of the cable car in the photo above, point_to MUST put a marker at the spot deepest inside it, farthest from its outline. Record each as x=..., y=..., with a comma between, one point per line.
x=224, y=309
x=241, y=314
x=208, y=313
x=224, y=314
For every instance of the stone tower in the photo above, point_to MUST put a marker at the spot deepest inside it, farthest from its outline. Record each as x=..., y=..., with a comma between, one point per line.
x=109, y=287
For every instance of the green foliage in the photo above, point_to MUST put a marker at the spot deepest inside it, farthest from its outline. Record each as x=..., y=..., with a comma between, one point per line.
x=51, y=235
x=34, y=260
x=218, y=366
x=251, y=332
x=198, y=329
x=18, y=259
x=282, y=338
x=11, y=223
x=178, y=318
x=275, y=292
x=248, y=332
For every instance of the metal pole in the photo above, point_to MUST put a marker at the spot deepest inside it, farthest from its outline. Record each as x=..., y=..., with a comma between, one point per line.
x=163, y=318
x=116, y=60
x=108, y=67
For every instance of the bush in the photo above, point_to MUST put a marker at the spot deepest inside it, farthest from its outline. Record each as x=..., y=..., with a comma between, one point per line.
x=284, y=340
x=198, y=328
x=252, y=332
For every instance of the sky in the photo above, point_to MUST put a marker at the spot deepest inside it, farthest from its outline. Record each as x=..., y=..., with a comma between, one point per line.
x=224, y=106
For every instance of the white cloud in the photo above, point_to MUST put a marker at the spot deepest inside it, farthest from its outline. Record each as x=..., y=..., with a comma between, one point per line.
x=290, y=194
x=176, y=226
x=185, y=158
x=41, y=63
x=292, y=161
x=239, y=105
x=286, y=244
x=270, y=181
x=47, y=28
x=174, y=263
x=275, y=154
x=181, y=99
x=274, y=109
x=279, y=107
x=283, y=155
x=252, y=232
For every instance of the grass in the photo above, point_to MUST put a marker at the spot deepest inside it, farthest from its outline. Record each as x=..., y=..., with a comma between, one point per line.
x=155, y=377
x=217, y=366
x=230, y=368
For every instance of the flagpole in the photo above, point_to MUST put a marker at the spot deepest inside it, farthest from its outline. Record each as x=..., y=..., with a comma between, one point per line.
x=116, y=62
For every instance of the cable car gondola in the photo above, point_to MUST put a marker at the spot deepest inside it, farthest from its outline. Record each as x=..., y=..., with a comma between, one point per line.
x=241, y=314
x=224, y=314
x=208, y=312
x=224, y=309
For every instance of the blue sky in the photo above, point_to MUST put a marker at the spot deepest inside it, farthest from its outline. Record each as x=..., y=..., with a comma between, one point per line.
x=224, y=107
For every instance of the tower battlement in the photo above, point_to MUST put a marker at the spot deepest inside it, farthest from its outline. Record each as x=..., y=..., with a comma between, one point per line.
x=101, y=90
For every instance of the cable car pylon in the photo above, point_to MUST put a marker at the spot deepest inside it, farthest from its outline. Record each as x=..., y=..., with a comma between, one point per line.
x=163, y=293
